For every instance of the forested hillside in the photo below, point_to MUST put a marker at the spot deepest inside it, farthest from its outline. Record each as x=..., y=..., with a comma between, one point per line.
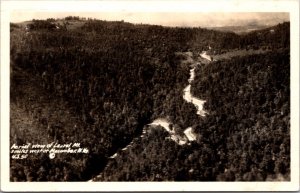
x=101, y=83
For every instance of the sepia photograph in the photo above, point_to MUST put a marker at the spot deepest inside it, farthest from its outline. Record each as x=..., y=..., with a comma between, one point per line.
x=121, y=94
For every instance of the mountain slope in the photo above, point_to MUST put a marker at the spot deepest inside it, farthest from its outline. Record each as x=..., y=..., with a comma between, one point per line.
x=115, y=78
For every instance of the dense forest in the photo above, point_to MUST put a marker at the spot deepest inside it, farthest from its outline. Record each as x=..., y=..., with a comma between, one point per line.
x=100, y=83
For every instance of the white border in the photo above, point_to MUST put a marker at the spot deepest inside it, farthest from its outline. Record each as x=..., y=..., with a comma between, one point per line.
x=291, y=6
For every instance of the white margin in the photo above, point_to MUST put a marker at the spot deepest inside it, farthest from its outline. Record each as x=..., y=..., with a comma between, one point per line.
x=291, y=6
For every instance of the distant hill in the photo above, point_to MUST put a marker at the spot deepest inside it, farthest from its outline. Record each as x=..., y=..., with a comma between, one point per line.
x=239, y=29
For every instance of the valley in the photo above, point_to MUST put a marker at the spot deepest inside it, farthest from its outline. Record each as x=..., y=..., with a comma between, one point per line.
x=150, y=103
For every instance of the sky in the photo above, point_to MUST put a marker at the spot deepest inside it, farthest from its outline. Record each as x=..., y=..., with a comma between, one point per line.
x=183, y=19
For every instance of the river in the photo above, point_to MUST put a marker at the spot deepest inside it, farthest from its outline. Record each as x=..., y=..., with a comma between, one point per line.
x=187, y=96
x=166, y=124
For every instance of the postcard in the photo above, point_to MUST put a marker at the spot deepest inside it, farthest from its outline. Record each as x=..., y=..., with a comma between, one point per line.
x=150, y=95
